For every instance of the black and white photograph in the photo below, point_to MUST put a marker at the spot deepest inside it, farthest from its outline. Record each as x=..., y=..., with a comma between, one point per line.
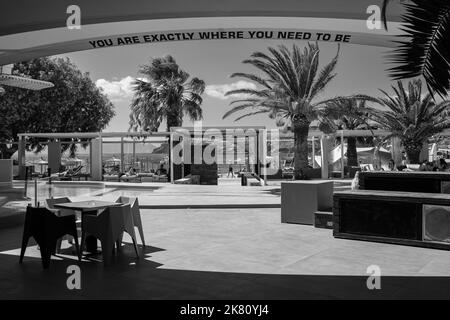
x=225, y=155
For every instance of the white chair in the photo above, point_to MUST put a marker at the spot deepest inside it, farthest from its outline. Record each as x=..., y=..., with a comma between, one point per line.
x=137, y=222
x=108, y=227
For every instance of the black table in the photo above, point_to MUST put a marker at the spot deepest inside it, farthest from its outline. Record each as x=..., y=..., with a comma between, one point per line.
x=91, y=207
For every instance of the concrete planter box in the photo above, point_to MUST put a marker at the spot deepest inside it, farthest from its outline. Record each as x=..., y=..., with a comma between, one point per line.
x=6, y=173
x=301, y=199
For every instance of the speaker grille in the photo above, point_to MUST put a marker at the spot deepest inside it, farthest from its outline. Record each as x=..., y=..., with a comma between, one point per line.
x=445, y=187
x=436, y=223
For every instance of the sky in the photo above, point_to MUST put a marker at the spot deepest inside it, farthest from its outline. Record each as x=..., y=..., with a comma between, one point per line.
x=361, y=69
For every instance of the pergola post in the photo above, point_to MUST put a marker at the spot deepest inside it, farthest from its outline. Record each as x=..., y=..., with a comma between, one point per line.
x=96, y=156
x=262, y=153
x=54, y=155
x=21, y=157
x=342, y=155
x=313, y=153
x=171, y=156
x=134, y=154
x=396, y=151
x=122, y=158
x=325, y=151
x=258, y=164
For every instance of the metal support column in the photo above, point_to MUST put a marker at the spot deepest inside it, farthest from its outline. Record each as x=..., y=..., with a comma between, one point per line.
x=21, y=157
x=122, y=157
x=313, y=153
x=171, y=156
x=342, y=155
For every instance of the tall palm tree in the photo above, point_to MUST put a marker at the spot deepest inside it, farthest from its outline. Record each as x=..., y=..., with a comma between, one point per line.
x=426, y=50
x=164, y=93
x=411, y=117
x=286, y=92
x=348, y=114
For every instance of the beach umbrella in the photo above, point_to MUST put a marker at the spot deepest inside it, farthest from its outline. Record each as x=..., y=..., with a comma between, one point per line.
x=41, y=163
x=113, y=160
x=73, y=161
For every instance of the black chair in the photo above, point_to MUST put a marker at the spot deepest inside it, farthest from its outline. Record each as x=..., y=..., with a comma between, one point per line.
x=46, y=228
x=108, y=227
x=62, y=212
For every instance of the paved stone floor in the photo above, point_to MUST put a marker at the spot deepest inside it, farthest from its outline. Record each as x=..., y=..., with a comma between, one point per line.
x=157, y=195
x=230, y=254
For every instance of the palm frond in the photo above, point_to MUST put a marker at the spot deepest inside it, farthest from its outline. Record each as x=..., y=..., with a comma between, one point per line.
x=325, y=76
x=252, y=114
x=249, y=92
x=252, y=77
x=239, y=108
x=384, y=12
x=426, y=49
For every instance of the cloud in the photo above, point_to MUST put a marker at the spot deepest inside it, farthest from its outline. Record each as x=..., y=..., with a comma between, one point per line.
x=117, y=89
x=218, y=90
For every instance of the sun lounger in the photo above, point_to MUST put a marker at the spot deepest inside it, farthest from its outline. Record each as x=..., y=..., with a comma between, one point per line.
x=130, y=178
x=67, y=176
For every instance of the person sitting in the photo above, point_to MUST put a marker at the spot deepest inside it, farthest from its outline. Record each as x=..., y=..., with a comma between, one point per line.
x=391, y=165
x=442, y=165
x=355, y=182
x=161, y=171
x=129, y=175
x=427, y=166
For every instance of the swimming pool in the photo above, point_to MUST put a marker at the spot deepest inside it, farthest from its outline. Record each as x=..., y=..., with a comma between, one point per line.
x=45, y=191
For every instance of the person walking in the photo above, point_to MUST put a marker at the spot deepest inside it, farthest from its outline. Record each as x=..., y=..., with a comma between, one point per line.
x=230, y=170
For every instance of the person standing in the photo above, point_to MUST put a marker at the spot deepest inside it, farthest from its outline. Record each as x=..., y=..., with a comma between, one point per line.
x=230, y=170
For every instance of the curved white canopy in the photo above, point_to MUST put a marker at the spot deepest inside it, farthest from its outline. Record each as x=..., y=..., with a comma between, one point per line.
x=30, y=29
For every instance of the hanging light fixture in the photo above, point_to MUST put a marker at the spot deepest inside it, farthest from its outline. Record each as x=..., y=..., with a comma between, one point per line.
x=8, y=79
x=25, y=83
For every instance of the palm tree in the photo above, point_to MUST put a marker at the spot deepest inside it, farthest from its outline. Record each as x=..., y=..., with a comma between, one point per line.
x=425, y=51
x=348, y=114
x=165, y=93
x=286, y=92
x=411, y=117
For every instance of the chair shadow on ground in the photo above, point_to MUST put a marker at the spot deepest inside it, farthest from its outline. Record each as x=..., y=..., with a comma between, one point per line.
x=274, y=191
x=131, y=278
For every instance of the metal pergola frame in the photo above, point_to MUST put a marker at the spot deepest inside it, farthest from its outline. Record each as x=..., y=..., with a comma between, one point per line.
x=313, y=133
x=259, y=142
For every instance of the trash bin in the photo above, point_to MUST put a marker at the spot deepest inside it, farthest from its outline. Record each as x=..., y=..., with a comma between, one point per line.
x=243, y=180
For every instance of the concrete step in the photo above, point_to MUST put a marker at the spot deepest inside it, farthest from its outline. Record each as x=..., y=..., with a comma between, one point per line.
x=323, y=219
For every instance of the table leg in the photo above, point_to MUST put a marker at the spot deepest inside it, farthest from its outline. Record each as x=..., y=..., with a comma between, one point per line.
x=91, y=241
x=91, y=244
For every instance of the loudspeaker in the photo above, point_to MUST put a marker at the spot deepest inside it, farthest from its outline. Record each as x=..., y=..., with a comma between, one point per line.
x=445, y=187
x=436, y=223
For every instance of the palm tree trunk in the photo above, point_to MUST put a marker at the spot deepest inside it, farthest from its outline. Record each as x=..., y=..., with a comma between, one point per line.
x=300, y=149
x=413, y=150
x=173, y=121
x=352, y=154
x=413, y=155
